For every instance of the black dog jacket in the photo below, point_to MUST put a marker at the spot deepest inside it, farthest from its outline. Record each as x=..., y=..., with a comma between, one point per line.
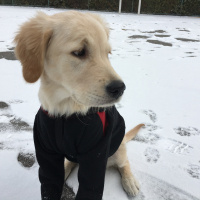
x=80, y=139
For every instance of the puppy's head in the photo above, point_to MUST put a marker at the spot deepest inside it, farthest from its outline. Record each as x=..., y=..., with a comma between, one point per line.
x=70, y=50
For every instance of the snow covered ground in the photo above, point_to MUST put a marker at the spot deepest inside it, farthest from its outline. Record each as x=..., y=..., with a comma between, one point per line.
x=158, y=57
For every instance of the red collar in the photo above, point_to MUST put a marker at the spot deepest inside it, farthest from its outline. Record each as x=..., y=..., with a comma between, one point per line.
x=46, y=112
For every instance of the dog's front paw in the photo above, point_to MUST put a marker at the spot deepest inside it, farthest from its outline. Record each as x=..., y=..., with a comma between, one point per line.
x=131, y=186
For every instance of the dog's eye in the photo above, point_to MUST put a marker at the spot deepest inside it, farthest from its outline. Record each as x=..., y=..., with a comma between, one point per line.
x=80, y=53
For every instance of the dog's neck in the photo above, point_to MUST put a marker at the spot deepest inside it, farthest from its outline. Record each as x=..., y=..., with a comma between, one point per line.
x=55, y=99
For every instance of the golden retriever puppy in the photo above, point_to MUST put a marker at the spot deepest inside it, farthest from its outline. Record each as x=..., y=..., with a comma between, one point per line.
x=68, y=52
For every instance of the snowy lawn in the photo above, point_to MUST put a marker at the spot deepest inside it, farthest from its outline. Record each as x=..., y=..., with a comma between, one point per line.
x=158, y=57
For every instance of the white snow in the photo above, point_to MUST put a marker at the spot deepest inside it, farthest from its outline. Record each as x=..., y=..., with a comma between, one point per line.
x=163, y=91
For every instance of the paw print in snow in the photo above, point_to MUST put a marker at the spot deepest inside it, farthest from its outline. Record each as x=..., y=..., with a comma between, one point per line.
x=151, y=114
x=151, y=127
x=182, y=131
x=194, y=171
x=152, y=155
x=150, y=138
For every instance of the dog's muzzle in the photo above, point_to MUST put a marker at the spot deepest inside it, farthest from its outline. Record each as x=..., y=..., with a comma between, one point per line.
x=115, y=89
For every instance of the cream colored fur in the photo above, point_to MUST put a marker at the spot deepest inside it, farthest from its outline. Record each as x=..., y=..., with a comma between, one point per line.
x=47, y=47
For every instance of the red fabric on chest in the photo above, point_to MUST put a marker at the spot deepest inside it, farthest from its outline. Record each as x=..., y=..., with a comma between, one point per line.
x=102, y=116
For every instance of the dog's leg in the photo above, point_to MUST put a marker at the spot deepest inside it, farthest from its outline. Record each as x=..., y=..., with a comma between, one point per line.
x=69, y=166
x=120, y=160
x=129, y=183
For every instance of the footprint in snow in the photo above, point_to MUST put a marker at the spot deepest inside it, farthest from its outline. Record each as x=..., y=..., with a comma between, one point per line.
x=20, y=125
x=194, y=171
x=12, y=123
x=3, y=105
x=151, y=127
x=148, y=138
x=152, y=155
x=178, y=147
x=9, y=122
x=183, y=131
x=26, y=159
x=151, y=114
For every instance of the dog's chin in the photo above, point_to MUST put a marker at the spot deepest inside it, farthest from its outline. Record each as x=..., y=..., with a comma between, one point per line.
x=100, y=102
x=107, y=104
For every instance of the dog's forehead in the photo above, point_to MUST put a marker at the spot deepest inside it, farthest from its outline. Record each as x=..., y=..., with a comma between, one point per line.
x=80, y=25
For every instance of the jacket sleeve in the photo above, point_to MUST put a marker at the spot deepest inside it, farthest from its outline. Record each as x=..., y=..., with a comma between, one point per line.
x=92, y=158
x=51, y=170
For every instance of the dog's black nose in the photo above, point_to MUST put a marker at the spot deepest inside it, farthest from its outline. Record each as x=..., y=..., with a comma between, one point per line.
x=115, y=89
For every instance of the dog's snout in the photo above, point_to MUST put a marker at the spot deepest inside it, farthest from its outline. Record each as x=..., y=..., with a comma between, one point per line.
x=115, y=89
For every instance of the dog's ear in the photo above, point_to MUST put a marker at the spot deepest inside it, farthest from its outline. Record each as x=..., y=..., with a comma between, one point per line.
x=102, y=22
x=31, y=45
